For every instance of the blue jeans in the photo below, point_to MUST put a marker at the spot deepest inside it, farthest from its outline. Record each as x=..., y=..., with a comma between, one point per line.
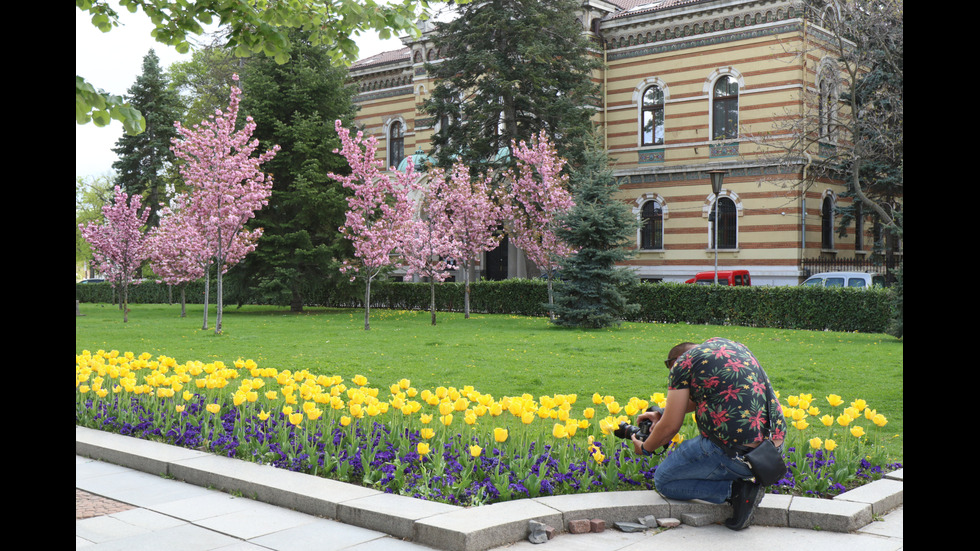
x=698, y=469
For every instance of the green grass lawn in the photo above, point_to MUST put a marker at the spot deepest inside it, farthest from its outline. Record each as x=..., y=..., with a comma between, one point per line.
x=500, y=355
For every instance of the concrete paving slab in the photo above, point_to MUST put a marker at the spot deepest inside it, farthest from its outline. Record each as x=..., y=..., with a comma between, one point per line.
x=609, y=506
x=883, y=495
x=828, y=514
x=719, y=538
x=303, y=492
x=186, y=537
x=484, y=527
x=392, y=514
x=319, y=535
x=142, y=455
x=258, y=519
x=201, y=507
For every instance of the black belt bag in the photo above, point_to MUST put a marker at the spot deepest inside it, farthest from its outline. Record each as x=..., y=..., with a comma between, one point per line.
x=766, y=463
x=765, y=460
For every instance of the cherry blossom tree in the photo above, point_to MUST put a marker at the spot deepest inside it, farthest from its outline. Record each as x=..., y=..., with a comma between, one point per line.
x=176, y=250
x=469, y=217
x=380, y=210
x=119, y=242
x=226, y=186
x=428, y=249
x=538, y=197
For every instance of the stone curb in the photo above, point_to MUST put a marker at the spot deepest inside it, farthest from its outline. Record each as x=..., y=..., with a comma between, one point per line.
x=477, y=528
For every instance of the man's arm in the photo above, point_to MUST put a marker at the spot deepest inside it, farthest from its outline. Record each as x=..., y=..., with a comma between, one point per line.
x=678, y=404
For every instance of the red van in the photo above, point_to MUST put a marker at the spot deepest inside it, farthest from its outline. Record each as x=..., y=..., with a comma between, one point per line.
x=727, y=277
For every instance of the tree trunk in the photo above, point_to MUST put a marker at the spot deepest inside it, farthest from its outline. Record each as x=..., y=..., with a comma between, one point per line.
x=217, y=317
x=296, y=303
x=183, y=301
x=207, y=291
x=466, y=295
x=125, y=299
x=367, y=304
x=432, y=299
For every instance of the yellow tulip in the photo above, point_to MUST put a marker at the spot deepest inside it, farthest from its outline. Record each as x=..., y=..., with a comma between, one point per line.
x=475, y=450
x=360, y=380
x=843, y=419
x=213, y=408
x=423, y=448
x=859, y=405
x=345, y=420
x=588, y=413
x=427, y=433
x=559, y=431
x=527, y=418
x=857, y=431
x=815, y=443
x=447, y=419
x=500, y=435
x=425, y=418
x=263, y=415
x=834, y=400
x=296, y=418
x=801, y=424
x=879, y=420
x=404, y=384
x=598, y=456
x=830, y=445
x=180, y=408
x=827, y=420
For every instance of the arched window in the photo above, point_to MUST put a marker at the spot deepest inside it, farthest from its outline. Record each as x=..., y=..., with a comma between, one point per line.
x=724, y=108
x=827, y=222
x=652, y=228
x=828, y=108
x=652, y=116
x=396, y=143
x=727, y=222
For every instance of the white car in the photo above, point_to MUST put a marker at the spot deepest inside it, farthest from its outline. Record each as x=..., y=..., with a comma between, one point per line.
x=844, y=279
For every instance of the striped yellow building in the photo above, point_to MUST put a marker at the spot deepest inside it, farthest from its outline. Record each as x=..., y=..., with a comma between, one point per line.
x=688, y=87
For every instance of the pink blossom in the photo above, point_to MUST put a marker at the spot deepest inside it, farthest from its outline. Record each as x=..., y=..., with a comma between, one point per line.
x=227, y=187
x=119, y=244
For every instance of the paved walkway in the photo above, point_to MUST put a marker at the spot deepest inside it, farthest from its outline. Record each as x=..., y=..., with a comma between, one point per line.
x=132, y=508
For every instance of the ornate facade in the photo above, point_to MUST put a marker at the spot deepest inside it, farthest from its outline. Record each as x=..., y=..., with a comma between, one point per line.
x=689, y=86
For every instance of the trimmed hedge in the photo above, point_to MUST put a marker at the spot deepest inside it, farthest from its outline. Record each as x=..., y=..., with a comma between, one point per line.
x=813, y=308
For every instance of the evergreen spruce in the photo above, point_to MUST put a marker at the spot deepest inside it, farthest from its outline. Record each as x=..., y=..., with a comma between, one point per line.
x=600, y=228
x=508, y=70
x=145, y=158
x=295, y=105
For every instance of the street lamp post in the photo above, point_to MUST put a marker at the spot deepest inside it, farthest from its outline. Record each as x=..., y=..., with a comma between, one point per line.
x=717, y=178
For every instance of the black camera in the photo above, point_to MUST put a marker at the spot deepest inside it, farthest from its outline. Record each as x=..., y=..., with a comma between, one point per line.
x=642, y=431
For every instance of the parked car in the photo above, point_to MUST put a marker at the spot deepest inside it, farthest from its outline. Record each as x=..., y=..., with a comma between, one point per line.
x=844, y=279
x=731, y=278
x=92, y=280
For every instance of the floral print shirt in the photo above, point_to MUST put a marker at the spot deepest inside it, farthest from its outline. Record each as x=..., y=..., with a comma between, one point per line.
x=728, y=388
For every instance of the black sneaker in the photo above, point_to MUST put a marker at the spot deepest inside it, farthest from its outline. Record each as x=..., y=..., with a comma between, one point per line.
x=746, y=495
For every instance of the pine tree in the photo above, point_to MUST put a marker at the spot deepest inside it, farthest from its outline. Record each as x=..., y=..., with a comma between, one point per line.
x=145, y=158
x=295, y=105
x=511, y=69
x=600, y=228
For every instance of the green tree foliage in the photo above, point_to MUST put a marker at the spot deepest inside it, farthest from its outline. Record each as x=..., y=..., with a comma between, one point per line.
x=144, y=158
x=295, y=105
x=511, y=69
x=594, y=291
x=253, y=27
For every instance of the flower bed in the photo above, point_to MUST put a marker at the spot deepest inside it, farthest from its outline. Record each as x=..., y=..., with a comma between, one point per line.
x=452, y=445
